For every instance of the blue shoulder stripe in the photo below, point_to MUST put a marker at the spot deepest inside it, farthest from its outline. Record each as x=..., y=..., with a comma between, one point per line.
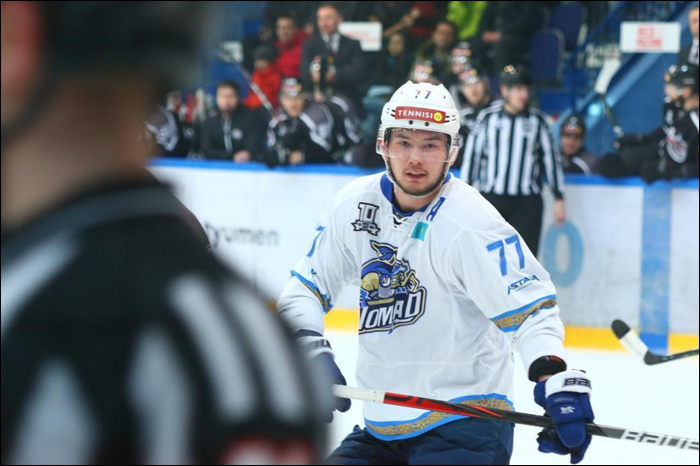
x=323, y=299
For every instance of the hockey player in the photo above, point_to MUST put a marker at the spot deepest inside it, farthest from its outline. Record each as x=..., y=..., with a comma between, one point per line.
x=671, y=151
x=678, y=136
x=575, y=157
x=447, y=290
x=302, y=131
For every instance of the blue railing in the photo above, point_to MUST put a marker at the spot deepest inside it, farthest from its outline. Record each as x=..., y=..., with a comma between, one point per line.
x=346, y=170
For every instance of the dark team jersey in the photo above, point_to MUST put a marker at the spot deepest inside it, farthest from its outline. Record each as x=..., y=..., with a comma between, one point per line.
x=347, y=124
x=311, y=133
x=581, y=163
x=170, y=137
x=125, y=342
x=679, y=146
x=223, y=137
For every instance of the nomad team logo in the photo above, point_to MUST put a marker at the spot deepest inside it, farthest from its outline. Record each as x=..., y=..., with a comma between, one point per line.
x=368, y=219
x=412, y=113
x=522, y=283
x=390, y=294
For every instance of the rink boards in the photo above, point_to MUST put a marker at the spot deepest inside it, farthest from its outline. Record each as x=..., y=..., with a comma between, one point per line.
x=627, y=251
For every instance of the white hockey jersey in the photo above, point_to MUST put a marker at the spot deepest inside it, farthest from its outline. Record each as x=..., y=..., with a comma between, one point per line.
x=446, y=293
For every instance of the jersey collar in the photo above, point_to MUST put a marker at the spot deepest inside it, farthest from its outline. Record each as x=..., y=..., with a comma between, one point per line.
x=388, y=191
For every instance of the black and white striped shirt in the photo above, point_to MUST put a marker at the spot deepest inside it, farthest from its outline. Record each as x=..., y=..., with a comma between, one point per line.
x=511, y=155
x=125, y=342
x=468, y=117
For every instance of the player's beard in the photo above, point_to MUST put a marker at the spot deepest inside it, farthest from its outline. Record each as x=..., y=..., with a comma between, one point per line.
x=415, y=194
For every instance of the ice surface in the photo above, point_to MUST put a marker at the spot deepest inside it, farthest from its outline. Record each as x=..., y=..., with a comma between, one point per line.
x=626, y=394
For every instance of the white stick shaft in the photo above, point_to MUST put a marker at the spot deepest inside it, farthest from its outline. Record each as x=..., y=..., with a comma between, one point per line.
x=607, y=73
x=634, y=344
x=354, y=393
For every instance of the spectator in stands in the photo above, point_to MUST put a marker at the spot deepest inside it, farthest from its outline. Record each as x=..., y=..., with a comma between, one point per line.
x=302, y=131
x=505, y=33
x=290, y=42
x=473, y=95
x=266, y=79
x=689, y=54
x=575, y=157
x=672, y=150
x=426, y=17
x=438, y=50
x=466, y=16
x=339, y=64
x=231, y=132
x=394, y=63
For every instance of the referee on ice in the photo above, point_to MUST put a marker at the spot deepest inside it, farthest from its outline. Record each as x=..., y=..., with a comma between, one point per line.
x=511, y=154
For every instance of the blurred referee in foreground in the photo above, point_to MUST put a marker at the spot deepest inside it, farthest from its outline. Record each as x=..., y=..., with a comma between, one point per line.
x=509, y=156
x=123, y=340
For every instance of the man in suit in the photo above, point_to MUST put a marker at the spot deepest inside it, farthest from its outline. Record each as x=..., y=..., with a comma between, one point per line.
x=689, y=53
x=332, y=63
x=231, y=131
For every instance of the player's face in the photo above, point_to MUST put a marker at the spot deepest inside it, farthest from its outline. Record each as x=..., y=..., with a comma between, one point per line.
x=417, y=159
x=293, y=105
x=673, y=92
x=226, y=99
x=474, y=92
x=571, y=143
x=693, y=22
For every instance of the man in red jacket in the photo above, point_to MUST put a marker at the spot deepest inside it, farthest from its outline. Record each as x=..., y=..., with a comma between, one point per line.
x=289, y=46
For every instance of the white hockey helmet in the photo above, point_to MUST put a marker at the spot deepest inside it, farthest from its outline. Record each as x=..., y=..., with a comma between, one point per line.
x=421, y=106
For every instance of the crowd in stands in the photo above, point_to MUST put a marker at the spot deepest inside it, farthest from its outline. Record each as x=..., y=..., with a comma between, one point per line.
x=315, y=96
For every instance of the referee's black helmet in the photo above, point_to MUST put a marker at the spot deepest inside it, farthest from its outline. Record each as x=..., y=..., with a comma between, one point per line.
x=515, y=76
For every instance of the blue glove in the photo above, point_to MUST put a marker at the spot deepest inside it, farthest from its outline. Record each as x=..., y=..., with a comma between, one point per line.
x=566, y=398
x=331, y=374
x=323, y=363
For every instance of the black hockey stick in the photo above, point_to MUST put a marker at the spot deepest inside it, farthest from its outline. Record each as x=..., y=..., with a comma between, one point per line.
x=636, y=346
x=428, y=404
x=617, y=129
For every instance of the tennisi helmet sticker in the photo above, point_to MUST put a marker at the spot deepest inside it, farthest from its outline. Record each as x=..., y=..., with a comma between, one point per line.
x=413, y=113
